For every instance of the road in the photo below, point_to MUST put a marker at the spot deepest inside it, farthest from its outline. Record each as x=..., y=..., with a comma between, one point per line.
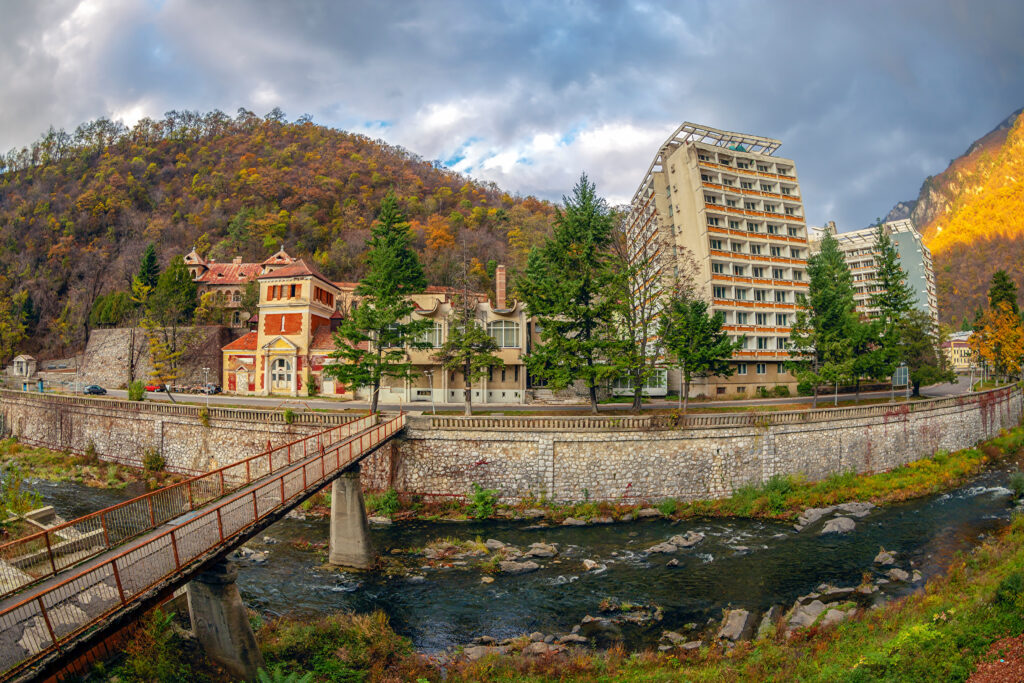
x=321, y=404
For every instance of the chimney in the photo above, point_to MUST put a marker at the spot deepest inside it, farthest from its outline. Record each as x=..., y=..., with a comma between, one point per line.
x=237, y=260
x=499, y=287
x=830, y=227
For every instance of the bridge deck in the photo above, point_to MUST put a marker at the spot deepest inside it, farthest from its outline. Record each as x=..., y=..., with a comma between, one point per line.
x=36, y=622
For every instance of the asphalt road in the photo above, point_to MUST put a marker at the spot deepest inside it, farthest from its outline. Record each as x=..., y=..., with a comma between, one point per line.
x=824, y=401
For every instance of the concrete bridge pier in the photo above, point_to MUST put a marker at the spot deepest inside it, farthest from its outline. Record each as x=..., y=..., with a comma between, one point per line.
x=221, y=623
x=350, y=532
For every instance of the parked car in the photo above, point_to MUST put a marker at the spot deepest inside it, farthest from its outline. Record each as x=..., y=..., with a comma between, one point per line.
x=94, y=389
x=211, y=388
x=154, y=387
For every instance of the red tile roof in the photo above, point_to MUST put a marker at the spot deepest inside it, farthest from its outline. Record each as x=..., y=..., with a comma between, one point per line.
x=246, y=342
x=229, y=273
x=298, y=269
x=280, y=258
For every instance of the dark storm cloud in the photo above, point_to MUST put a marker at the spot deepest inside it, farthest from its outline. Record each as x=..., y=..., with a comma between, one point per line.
x=867, y=97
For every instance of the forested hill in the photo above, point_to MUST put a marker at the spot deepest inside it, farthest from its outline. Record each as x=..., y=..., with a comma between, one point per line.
x=972, y=218
x=78, y=209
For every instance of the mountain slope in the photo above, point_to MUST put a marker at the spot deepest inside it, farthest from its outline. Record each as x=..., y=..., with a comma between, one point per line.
x=77, y=210
x=972, y=218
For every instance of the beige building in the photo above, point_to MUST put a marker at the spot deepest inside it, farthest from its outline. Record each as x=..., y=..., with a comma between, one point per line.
x=728, y=201
x=293, y=340
x=228, y=280
x=958, y=351
x=858, y=248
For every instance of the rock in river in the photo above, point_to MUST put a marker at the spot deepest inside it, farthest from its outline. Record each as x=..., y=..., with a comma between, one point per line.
x=737, y=624
x=662, y=548
x=839, y=525
x=691, y=539
x=510, y=567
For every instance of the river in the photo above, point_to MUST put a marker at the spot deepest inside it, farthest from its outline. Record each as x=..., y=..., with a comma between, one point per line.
x=741, y=563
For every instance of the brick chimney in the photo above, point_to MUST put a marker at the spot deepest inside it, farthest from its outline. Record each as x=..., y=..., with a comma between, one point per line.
x=237, y=260
x=499, y=287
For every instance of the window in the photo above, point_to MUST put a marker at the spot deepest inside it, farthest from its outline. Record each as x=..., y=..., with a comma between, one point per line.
x=737, y=270
x=737, y=247
x=795, y=253
x=755, y=249
x=741, y=294
x=719, y=390
x=741, y=318
x=710, y=199
x=762, y=368
x=717, y=267
x=781, y=368
x=236, y=296
x=705, y=177
x=753, y=227
x=761, y=318
x=782, y=319
x=762, y=168
x=703, y=157
x=758, y=272
x=726, y=182
x=716, y=244
x=746, y=185
x=505, y=332
x=719, y=292
x=760, y=295
x=775, y=251
x=390, y=338
x=773, y=229
x=741, y=390
x=782, y=171
x=785, y=191
x=781, y=343
x=742, y=164
x=741, y=368
x=732, y=203
x=712, y=220
x=432, y=336
x=793, y=232
x=780, y=297
x=771, y=208
x=777, y=273
x=798, y=275
x=762, y=343
x=281, y=371
x=766, y=187
x=750, y=206
x=790, y=211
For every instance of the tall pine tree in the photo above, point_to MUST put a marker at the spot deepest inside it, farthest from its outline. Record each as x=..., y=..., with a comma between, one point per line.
x=565, y=287
x=1003, y=289
x=149, y=269
x=373, y=343
x=695, y=341
x=894, y=299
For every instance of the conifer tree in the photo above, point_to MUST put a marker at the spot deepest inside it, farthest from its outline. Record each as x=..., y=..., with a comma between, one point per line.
x=565, y=287
x=695, y=342
x=918, y=348
x=468, y=348
x=1003, y=289
x=149, y=269
x=894, y=299
x=373, y=342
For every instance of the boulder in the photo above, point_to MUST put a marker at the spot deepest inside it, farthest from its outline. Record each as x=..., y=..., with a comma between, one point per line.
x=536, y=637
x=662, y=548
x=512, y=567
x=839, y=525
x=379, y=521
x=897, y=574
x=603, y=519
x=856, y=508
x=533, y=513
x=571, y=638
x=486, y=579
x=884, y=557
x=834, y=594
x=601, y=629
x=834, y=616
x=692, y=645
x=803, y=616
x=916, y=576
x=590, y=565
x=537, y=649
x=672, y=563
x=479, y=651
x=627, y=518
x=541, y=550
x=673, y=637
x=549, y=639
x=647, y=513
x=269, y=540
x=737, y=624
x=572, y=521
x=812, y=515
x=768, y=621
x=689, y=540
x=494, y=544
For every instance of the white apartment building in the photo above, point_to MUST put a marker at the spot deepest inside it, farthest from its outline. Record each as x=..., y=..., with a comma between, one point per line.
x=858, y=247
x=728, y=201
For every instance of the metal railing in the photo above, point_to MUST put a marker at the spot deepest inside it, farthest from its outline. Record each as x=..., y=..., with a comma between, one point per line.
x=60, y=612
x=703, y=420
x=45, y=553
x=184, y=410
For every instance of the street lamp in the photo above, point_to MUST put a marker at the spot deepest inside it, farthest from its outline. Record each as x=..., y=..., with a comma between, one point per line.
x=206, y=386
x=430, y=376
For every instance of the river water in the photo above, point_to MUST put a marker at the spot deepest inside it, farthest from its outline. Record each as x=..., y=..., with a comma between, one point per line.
x=740, y=563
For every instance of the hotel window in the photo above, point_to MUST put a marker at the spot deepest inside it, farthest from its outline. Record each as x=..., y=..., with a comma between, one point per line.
x=742, y=164
x=741, y=318
x=766, y=187
x=775, y=251
x=731, y=203
x=760, y=295
x=798, y=275
x=795, y=253
x=737, y=247
x=718, y=268
x=780, y=297
x=762, y=368
x=741, y=294
x=782, y=171
x=782, y=319
x=771, y=208
x=737, y=270
x=781, y=343
x=746, y=185
x=719, y=292
x=773, y=229
x=716, y=244
x=750, y=206
x=793, y=232
x=735, y=225
x=760, y=318
x=777, y=273
x=755, y=249
x=505, y=332
x=741, y=368
x=710, y=199
x=781, y=368
x=703, y=157
x=790, y=211
x=758, y=272
x=762, y=168
x=753, y=227
x=762, y=343
x=705, y=177
x=712, y=220
x=726, y=182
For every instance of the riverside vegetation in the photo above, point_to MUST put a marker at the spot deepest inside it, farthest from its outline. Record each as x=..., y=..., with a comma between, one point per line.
x=967, y=620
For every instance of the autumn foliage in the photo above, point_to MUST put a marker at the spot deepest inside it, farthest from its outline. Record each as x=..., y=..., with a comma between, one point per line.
x=78, y=209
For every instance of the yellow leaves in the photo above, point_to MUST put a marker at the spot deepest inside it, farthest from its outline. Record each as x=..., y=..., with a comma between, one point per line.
x=1000, y=340
x=438, y=233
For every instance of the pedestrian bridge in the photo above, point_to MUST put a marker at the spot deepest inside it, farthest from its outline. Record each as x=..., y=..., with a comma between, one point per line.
x=69, y=584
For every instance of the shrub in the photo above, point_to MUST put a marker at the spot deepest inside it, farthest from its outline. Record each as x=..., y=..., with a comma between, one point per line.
x=386, y=503
x=152, y=461
x=204, y=417
x=804, y=388
x=137, y=391
x=1010, y=590
x=668, y=507
x=482, y=503
x=781, y=391
x=289, y=416
x=14, y=492
x=311, y=388
x=278, y=676
x=1017, y=484
x=90, y=457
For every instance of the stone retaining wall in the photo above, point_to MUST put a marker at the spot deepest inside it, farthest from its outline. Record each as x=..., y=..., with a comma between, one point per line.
x=690, y=463
x=123, y=430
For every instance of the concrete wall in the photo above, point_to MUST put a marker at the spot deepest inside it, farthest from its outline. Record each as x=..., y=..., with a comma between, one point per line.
x=710, y=457
x=124, y=430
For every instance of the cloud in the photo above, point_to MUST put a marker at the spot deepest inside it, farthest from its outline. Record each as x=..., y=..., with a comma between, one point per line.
x=867, y=97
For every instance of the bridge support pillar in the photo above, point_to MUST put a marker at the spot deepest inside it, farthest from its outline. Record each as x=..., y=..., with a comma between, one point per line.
x=221, y=623
x=350, y=532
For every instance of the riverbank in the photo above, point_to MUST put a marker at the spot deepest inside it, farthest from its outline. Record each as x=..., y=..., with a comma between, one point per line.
x=781, y=498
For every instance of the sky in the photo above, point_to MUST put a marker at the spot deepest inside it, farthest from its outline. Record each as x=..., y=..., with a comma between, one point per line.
x=868, y=98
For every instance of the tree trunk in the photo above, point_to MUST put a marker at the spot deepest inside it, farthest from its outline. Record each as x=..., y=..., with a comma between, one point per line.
x=373, y=398
x=167, y=390
x=814, y=402
x=686, y=395
x=857, y=395
x=593, y=399
x=637, y=399
x=917, y=389
x=467, y=393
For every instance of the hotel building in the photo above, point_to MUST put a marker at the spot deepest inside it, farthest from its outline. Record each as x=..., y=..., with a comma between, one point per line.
x=725, y=199
x=858, y=248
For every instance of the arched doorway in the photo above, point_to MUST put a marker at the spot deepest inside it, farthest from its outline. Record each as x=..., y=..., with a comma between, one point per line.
x=281, y=375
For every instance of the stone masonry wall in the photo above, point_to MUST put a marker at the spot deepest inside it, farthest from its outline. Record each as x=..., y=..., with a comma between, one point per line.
x=686, y=464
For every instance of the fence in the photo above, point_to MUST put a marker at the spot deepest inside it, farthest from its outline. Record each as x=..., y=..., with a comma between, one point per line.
x=45, y=553
x=155, y=408
x=60, y=612
x=672, y=421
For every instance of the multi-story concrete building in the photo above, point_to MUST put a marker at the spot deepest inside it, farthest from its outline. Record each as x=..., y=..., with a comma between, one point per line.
x=858, y=249
x=728, y=202
x=300, y=309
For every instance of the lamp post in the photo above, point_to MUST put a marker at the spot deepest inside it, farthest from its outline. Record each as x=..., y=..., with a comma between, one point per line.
x=206, y=386
x=430, y=376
